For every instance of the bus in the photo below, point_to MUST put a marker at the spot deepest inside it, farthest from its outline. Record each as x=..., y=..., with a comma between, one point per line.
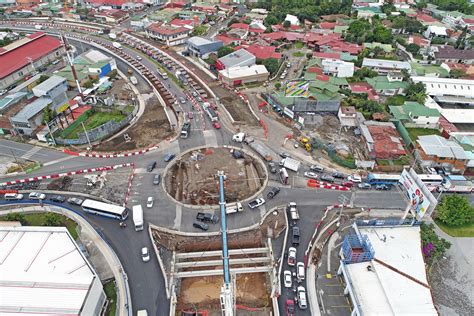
x=380, y=178
x=105, y=209
x=283, y=176
x=432, y=181
x=211, y=113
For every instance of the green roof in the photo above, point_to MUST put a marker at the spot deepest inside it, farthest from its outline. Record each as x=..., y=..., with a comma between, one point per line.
x=310, y=75
x=348, y=57
x=66, y=72
x=340, y=28
x=423, y=70
x=386, y=47
x=314, y=62
x=322, y=85
x=382, y=83
x=282, y=99
x=372, y=9
x=410, y=109
x=338, y=81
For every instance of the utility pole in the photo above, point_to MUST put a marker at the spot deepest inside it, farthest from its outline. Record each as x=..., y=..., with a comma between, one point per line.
x=87, y=135
x=16, y=160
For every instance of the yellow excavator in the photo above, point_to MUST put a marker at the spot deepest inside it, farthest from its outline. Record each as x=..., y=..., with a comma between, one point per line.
x=306, y=143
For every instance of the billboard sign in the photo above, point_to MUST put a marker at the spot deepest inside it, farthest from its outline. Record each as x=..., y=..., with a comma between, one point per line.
x=420, y=198
x=298, y=88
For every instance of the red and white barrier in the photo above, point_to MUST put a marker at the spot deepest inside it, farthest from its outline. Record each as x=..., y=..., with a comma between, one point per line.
x=70, y=173
x=97, y=155
x=326, y=185
x=129, y=189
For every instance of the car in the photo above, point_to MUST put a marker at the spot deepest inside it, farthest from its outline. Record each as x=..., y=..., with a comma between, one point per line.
x=311, y=175
x=182, y=100
x=248, y=140
x=282, y=76
x=2, y=92
x=151, y=166
x=338, y=175
x=13, y=196
x=194, y=93
x=364, y=186
x=169, y=157
x=57, y=199
x=216, y=125
x=300, y=271
x=290, y=307
x=157, y=179
x=36, y=196
x=301, y=295
x=207, y=218
x=284, y=154
x=272, y=167
x=288, y=65
x=190, y=115
x=149, y=202
x=348, y=184
x=295, y=235
x=75, y=201
x=55, y=62
x=354, y=178
x=256, y=203
x=292, y=256
x=201, y=226
x=139, y=58
x=327, y=178
x=382, y=187
x=237, y=154
x=432, y=170
x=287, y=278
x=273, y=192
x=145, y=254
x=316, y=168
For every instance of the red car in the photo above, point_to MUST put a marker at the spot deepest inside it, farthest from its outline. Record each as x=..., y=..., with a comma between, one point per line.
x=348, y=184
x=216, y=125
x=290, y=307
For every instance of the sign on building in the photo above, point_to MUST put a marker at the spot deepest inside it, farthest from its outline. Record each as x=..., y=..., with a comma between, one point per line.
x=421, y=200
x=298, y=88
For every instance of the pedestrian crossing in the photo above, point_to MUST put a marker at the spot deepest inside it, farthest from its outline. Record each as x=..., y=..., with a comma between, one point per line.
x=31, y=152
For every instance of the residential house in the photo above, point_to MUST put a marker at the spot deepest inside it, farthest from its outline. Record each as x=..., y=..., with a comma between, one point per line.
x=384, y=67
x=292, y=19
x=413, y=114
x=261, y=52
x=347, y=116
x=201, y=46
x=384, y=85
x=435, y=31
x=364, y=88
x=238, y=58
x=167, y=34
x=113, y=4
x=370, y=12
x=382, y=140
x=436, y=151
x=337, y=68
x=448, y=54
x=238, y=75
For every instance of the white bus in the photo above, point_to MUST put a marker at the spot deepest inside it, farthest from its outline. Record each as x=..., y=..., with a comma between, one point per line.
x=432, y=181
x=105, y=209
x=137, y=211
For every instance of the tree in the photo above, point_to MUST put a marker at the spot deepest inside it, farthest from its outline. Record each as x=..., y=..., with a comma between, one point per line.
x=433, y=247
x=278, y=86
x=52, y=219
x=455, y=210
x=17, y=217
x=388, y=8
x=456, y=73
x=362, y=73
x=48, y=114
x=286, y=24
x=271, y=64
x=247, y=20
x=413, y=48
x=112, y=74
x=88, y=84
x=199, y=30
x=270, y=20
x=416, y=92
x=224, y=50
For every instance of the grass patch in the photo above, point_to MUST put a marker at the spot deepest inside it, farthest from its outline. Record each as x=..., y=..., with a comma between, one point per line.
x=298, y=54
x=457, y=231
x=111, y=293
x=92, y=121
x=415, y=132
x=400, y=161
x=39, y=219
x=396, y=100
x=299, y=45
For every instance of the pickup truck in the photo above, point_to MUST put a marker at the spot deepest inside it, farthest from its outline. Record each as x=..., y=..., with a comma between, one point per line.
x=294, y=215
x=207, y=218
x=256, y=203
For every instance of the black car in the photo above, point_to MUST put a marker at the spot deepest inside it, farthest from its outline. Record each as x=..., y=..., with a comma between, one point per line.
x=201, y=226
x=207, y=218
x=339, y=175
x=157, y=179
x=382, y=187
x=295, y=235
x=57, y=199
x=284, y=154
x=151, y=166
x=327, y=178
x=273, y=192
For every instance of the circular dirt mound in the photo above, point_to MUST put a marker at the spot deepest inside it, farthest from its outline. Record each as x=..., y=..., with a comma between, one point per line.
x=192, y=179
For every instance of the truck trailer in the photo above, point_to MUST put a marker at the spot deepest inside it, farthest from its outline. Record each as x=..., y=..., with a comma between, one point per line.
x=262, y=150
x=456, y=186
x=138, y=217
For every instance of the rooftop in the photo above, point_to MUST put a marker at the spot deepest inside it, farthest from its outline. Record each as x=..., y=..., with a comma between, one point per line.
x=42, y=271
x=446, y=86
x=47, y=85
x=434, y=145
x=382, y=83
x=412, y=109
x=245, y=71
x=236, y=58
x=32, y=109
x=449, y=52
x=387, y=141
x=382, y=63
x=198, y=41
x=261, y=52
x=167, y=30
x=306, y=105
x=383, y=291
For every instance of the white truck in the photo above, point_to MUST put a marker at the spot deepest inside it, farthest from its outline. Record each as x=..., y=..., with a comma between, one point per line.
x=293, y=211
x=290, y=163
x=138, y=217
x=133, y=80
x=117, y=45
x=239, y=137
x=456, y=186
x=233, y=207
x=113, y=35
x=39, y=27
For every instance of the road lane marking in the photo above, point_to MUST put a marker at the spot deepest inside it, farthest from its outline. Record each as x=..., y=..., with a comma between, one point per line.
x=177, y=219
x=23, y=150
x=58, y=160
x=31, y=152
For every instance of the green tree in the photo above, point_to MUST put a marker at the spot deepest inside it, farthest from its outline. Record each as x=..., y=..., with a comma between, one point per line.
x=48, y=114
x=433, y=247
x=278, y=86
x=413, y=48
x=388, y=8
x=362, y=73
x=52, y=219
x=456, y=73
x=199, y=30
x=382, y=34
x=357, y=30
x=88, y=84
x=286, y=24
x=224, y=50
x=247, y=20
x=112, y=74
x=271, y=64
x=270, y=20
x=455, y=210
x=416, y=92
x=17, y=217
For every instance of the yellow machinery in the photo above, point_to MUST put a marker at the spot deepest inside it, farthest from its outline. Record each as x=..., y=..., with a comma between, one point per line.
x=306, y=142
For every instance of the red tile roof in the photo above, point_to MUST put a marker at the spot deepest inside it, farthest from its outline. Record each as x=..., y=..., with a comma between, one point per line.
x=273, y=36
x=261, y=52
x=227, y=40
x=242, y=26
x=364, y=87
x=39, y=45
x=106, y=2
x=387, y=142
x=322, y=77
x=418, y=40
x=327, y=55
x=179, y=22
x=327, y=25
x=164, y=29
x=256, y=30
x=425, y=18
x=315, y=70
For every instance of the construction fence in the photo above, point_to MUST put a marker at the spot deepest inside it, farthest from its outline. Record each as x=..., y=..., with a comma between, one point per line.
x=331, y=151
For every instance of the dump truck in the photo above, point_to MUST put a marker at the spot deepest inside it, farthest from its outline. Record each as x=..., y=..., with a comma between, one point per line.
x=185, y=130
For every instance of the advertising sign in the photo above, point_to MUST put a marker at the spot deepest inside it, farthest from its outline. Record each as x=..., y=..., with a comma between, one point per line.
x=297, y=89
x=420, y=198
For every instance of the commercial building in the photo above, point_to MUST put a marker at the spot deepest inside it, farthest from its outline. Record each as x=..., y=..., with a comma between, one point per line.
x=384, y=67
x=413, y=114
x=235, y=76
x=201, y=46
x=436, y=151
x=337, y=68
x=26, y=56
x=30, y=117
x=43, y=271
x=239, y=58
x=384, y=271
x=168, y=34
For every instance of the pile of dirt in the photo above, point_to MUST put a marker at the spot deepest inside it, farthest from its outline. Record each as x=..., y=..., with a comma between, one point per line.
x=61, y=184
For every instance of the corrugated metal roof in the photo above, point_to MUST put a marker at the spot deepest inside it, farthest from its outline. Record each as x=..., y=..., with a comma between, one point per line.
x=434, y=145
x=304, y=105
x=32, y=109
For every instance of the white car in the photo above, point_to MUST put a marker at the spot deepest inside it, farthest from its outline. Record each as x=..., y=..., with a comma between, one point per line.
x=145, y=254
x=300, y=271
x=256, y=203
x=139, y=58
x=311, y=175
x=292, y=256
x=37, y=196
x=354, y=178
x=149, y=202
x=287, y=278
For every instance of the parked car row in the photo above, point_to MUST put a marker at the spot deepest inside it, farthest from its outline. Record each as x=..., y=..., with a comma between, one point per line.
x=38, y=196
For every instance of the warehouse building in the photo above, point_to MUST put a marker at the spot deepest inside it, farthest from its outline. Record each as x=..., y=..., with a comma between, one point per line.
x=236, y=76
x=43, y=271
x=26, y=56
x=238, y=58
x=201, y=46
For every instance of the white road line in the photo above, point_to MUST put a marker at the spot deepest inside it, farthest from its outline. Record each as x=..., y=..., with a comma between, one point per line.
x=23, y=150
x=58, y=160
x=177, y=219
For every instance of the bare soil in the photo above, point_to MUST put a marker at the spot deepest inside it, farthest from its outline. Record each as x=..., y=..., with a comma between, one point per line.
x=191, y=179
x=151, y=128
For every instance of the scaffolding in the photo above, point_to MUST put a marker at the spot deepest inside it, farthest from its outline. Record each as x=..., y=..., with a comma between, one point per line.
x=356, y=249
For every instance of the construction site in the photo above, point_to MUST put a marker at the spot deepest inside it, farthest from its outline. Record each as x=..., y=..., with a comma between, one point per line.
x=193, y=266
x=192, y=178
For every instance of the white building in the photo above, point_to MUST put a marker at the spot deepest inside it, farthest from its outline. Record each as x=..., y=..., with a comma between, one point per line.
x=389, y=277
x=435, y=31
x=43, y=272
x=384, y=67
x=236, y=76
x=347, y=116
x=292, y=19
x=338, y=68
x=453, y=98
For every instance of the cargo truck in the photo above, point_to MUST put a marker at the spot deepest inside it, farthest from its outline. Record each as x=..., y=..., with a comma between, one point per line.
x=262, y=150
x=185, y=130
x=293, y=211
x=456, y=186
x=290, y=163
x=138, y=217
x=233, y=207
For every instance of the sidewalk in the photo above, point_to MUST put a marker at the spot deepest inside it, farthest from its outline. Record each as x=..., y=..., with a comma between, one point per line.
x=124, y=303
